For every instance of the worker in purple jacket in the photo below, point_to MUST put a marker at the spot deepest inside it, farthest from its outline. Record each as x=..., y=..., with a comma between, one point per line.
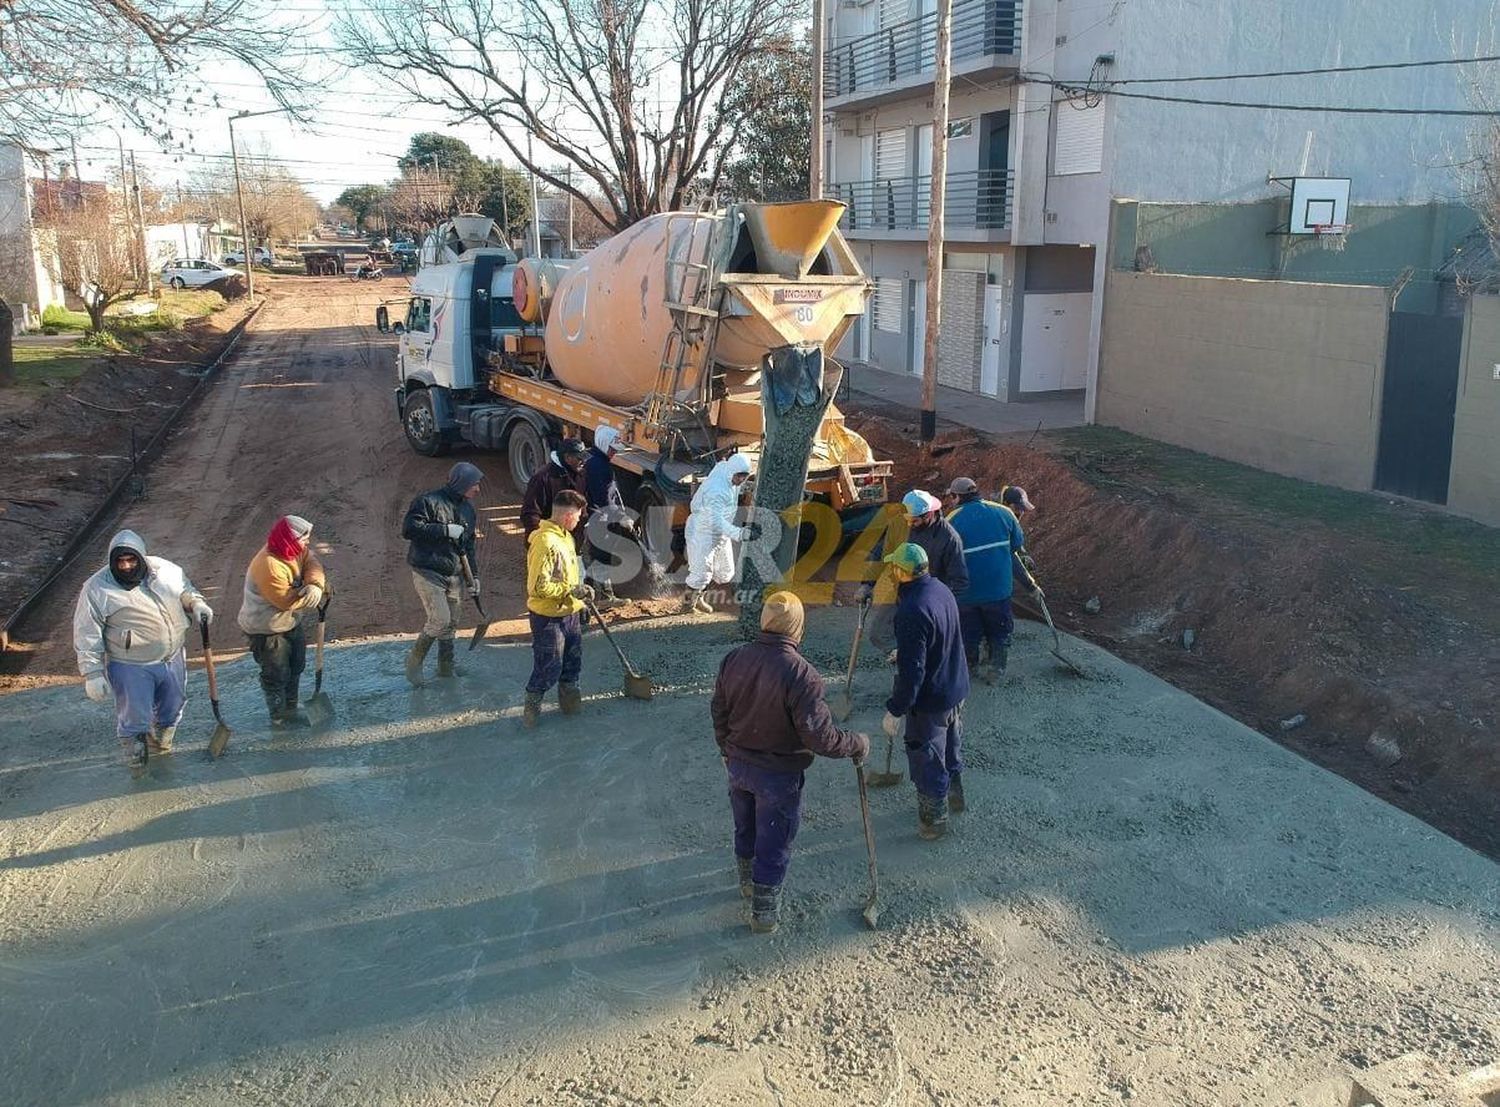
x=932, y=682
x=769, y=719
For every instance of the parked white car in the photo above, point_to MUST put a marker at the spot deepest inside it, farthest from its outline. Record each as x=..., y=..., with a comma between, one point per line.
x=263, y=256
x=195, y=272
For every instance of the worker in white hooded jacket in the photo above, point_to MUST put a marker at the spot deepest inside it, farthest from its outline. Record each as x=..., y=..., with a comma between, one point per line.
x=711, y=529
x=129, y=630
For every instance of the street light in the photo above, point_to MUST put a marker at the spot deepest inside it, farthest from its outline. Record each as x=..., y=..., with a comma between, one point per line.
x=239, y=192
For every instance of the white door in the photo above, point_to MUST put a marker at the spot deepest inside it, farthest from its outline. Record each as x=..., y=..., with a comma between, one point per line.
x=994, y=360
x=1054, y=341
x=918, y=325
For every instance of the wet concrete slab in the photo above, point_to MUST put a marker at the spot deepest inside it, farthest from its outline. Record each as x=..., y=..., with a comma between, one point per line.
x=426, y=904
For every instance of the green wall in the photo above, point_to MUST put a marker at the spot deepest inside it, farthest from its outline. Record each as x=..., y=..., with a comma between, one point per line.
x=1231, y=240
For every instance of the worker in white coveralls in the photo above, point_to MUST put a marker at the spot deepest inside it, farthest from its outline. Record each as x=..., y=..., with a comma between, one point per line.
x=711, y=529
x=129, y=630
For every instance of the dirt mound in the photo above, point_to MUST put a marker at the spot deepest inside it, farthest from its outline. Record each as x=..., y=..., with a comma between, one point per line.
x=1398, y=689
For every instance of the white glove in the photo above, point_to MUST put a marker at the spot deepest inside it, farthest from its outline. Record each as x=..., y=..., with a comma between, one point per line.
x=456, y=531
x=743, y=534
x=891, y=724
x=313, y=594
x=202, y=613
x=96, y=688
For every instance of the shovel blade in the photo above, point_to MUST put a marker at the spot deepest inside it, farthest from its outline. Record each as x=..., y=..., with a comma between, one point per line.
x=219, y=742
x=638, y=686
x=478, y=636
x=871, y=913
x=320, y=709
x=1070, y=665
x=842, y=706
x=885, y=780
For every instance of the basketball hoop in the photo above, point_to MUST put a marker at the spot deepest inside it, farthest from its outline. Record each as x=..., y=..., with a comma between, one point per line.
x=1331, y=236
x=1322, y=229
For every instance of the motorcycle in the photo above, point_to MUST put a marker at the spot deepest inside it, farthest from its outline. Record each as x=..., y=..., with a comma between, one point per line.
x=367, y=273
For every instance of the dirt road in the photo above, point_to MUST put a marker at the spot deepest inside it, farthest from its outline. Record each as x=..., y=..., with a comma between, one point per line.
x=302, y=421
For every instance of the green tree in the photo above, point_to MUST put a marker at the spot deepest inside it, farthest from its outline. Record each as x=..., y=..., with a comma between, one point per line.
x=767, y=154
x=430, y=150
x=364, y=201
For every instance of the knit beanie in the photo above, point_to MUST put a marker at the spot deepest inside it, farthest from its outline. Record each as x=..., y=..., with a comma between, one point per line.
x=782, y=614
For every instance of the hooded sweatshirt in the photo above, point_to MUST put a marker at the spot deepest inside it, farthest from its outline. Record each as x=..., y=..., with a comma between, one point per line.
x=275, y=590
x=136, y=626
x=715, y=502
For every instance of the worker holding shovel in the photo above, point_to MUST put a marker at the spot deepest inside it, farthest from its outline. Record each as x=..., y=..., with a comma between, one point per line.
x=993, y=546
x=770, y=718
x=555, y=599
x=931, y=684
x=129, y=630
x=439, y=529
x=917, y=519
x=284, y=583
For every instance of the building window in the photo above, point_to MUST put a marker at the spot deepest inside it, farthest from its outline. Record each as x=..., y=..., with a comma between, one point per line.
x=961, y=128
x=1080, y=138
x=888, y=304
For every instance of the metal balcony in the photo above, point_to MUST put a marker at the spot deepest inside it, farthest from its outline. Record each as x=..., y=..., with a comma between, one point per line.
x=977, y=200
x=894, y=54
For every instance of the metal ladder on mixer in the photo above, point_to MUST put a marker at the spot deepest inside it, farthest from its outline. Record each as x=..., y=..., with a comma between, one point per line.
x=694, y=302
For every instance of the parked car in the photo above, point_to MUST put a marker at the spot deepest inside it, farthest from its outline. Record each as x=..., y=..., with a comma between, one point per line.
x=263, y=257
x=195, y=273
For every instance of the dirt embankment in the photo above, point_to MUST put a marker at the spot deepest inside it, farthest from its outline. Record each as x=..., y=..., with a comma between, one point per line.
x=1398, y=685
x=64, y=450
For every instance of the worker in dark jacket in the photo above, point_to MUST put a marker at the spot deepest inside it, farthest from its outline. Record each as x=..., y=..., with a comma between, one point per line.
x=564, y=470
x=918, y=520
x=932, y=682
x=439, y=526
x=606, y=513
x=993, y=548
x=769, y=719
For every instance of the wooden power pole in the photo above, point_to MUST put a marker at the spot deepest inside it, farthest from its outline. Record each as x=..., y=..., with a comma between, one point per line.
x=816, y=168
x=928, y=428
x=140, y=218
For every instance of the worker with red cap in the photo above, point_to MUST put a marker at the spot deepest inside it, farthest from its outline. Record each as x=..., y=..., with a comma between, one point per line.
x=284, y=583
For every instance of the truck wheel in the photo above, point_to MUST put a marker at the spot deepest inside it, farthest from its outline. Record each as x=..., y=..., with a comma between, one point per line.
x=659, y=542
x=420, y=421
x=526, y=454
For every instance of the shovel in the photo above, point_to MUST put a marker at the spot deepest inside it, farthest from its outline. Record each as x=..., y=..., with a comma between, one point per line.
x=482, y=628
x=221, y=734
x=843, y=705
x=320, y=707
x=872, y=904
x=887, y=779
x=637, y=686
x=1067, y=662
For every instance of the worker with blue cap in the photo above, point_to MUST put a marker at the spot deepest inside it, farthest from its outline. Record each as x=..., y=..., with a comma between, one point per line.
x=931, y=684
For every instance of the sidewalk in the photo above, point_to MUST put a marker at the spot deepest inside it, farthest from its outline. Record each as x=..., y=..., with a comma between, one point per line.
x=875, y=388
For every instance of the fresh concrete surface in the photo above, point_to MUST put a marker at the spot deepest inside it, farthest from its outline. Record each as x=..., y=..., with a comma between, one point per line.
x=428, y=905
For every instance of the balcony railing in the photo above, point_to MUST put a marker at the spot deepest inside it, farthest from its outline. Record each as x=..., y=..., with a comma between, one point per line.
x=908, y=49
x=975, y=200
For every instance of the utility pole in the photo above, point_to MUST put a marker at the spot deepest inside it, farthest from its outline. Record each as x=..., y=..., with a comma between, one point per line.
x=140, y=216
x=927, y=430
x=815, y=162
x=182, y=218
x=536, y=214
x=570, y=211
x=125, y=200
x=239, y=191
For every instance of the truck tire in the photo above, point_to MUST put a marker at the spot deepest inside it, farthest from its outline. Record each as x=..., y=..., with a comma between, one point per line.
x=661, y=542
x=526, y=454
x=419, y=420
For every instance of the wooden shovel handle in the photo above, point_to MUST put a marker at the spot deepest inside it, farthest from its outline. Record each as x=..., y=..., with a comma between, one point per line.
x=208, y=661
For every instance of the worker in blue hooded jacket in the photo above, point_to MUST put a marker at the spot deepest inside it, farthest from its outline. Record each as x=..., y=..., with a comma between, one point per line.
x=993, y=546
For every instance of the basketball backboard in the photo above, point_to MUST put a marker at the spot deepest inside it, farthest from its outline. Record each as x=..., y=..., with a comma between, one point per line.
x=1318, y=203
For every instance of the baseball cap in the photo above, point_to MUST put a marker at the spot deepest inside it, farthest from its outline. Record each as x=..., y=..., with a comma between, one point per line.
x=908, y=556
x=573, y=446
x=962, y=486
x=1015, y=496
x=918, y=503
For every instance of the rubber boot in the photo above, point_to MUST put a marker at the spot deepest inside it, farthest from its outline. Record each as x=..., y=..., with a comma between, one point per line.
x=275, y=704
x=932, y=817
x=765, y=908
x=414, y=659
x=986, y=672
x=446, y=670
x=569, y=698
x=1000, y=657
x=607, y=597
x=701, y=604
x=137, y=750
x=291, y=717
x=747, y=882
x=955, y=794
x=162, y=743
x=532, y=712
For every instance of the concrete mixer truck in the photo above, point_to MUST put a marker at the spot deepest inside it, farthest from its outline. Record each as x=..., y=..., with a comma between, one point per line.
x=661, y=332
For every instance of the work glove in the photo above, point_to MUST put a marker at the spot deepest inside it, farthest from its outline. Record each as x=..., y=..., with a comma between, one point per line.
x=96, y=688
x=202, y=613
x=867, y=593
x=456, y=531
x=474, y=587
x=583, y=592
x=313, y=594
x=891, y=724
x=862, y=751
x=891, y=658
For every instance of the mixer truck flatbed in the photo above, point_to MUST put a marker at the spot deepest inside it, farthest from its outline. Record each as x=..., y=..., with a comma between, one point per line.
x=513, y=356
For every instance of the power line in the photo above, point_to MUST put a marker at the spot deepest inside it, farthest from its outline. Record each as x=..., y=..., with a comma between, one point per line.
x=1092, y=91
x=1310, y=72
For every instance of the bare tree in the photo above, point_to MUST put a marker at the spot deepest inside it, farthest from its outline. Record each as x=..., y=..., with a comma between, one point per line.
x=420, y=199
x=93, y=253
x=277, y=204
x=627, y=92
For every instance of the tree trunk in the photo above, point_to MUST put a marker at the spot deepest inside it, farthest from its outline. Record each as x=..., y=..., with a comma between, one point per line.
x=7, y=352
x=96, y=315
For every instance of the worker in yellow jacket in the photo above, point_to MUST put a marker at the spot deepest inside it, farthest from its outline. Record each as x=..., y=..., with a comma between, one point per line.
x=555, y=600
x=285, y=581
